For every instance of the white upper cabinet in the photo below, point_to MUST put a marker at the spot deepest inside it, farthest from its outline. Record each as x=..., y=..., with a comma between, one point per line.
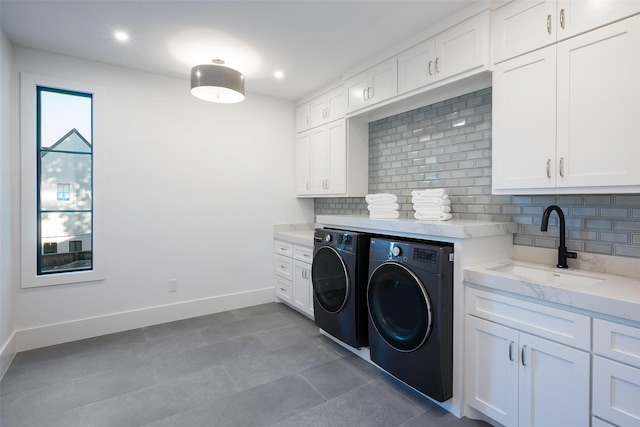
x=565, y=118
x=327, y=107
x=460, y=49
x=322, y=109
x=374, y=85
x=525, y=25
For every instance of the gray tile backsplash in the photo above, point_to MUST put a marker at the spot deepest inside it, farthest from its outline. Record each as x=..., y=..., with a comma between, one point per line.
x=448, y=145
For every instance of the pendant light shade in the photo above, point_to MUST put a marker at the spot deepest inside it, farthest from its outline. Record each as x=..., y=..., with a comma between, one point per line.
x=217, y=83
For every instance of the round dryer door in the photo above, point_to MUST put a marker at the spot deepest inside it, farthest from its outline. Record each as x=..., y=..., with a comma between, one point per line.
x=399, y=307
x=330, y=279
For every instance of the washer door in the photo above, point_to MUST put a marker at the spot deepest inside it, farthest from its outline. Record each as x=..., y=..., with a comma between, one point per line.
x=330, y=279
x=399, y=307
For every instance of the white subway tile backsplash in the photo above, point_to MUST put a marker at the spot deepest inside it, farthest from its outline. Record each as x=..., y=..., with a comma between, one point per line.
x=448, y=144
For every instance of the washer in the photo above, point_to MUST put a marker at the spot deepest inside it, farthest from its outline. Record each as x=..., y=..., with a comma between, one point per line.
x=339, y=278
x=410, y=322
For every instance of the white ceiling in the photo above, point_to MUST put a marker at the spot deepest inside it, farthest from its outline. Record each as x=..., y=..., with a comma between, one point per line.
x=312, y=42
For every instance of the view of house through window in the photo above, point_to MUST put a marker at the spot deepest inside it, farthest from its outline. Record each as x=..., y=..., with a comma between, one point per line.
x=65, y=180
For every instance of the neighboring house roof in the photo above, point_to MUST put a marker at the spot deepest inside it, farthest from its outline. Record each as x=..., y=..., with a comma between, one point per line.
x=71, y=141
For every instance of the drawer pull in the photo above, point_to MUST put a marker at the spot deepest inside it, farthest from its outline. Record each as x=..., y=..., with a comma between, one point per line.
x=523, y=347
x=283, y=289
x=511, y=350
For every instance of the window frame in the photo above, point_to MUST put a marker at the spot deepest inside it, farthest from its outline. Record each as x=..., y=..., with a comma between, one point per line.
x=28, y=164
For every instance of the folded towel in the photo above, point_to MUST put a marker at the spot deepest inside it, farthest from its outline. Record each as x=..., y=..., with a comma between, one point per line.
x=431, y=209
x=383, y=207
x=430, y=201
x=433, y=216
x=381, y=198
x=435, y=192
x=384, y=215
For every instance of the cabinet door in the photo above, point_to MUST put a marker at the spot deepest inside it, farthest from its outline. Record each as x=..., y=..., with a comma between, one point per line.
x=416, y=66
x=579, y=16
x=524, y=121
x=336, y=155
x=523, y=26
x=301, y=285
x=616, y=392
x=598, y=107
x=463, y=47
x=303, y=171
x=318, y=160
x=302, y=118
x=554, y=384
x=491, y=370
x=383, y=80
x=355, y=89
x=335, y=104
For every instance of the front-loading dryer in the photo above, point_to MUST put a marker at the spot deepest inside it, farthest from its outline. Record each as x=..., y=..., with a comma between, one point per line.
x=410, y=305
x=339, y=279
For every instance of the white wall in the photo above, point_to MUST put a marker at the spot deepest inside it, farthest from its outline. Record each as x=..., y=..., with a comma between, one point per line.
x=193, y=192
x=7, y=279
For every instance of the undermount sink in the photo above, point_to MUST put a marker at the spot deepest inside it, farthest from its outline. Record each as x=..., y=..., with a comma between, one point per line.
x=546, y=275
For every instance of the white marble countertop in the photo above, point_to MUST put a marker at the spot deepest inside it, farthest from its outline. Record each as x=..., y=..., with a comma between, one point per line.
x=455, y=228
x=299, y=234
x=612, y=296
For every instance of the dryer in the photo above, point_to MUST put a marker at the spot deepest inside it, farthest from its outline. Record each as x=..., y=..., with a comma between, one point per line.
x=339, y=279
x=410, y=312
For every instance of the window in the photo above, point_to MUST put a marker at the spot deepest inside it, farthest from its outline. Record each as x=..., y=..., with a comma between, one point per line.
x=50, y=248
x=75, y=246
x=64, y=136
x=61, y=148
x=63, y=192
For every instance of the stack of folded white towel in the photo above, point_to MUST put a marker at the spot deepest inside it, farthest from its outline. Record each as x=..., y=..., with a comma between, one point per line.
x=431, y=205
x=382, y=206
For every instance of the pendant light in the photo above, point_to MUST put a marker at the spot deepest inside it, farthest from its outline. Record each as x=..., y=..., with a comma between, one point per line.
x=217, y=83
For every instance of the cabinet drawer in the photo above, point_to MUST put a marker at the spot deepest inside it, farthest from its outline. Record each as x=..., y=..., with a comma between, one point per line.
x=617, y=341
x=548, y=322
x=303, y=253
x=283, y=248
x=283, y=289
x=616, y=392
x=284, y=267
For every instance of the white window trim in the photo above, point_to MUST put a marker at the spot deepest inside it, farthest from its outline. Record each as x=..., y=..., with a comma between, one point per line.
x=28, y=186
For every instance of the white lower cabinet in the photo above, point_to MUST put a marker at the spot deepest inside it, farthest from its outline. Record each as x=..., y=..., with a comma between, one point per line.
x=616, y=373
x=520, y=379
x=293, y=276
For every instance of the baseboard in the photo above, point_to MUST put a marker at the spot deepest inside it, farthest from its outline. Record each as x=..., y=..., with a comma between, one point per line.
x=42, y=336
x=7, y=353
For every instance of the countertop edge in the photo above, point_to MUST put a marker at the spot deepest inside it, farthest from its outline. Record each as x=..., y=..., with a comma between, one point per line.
x=615, y=296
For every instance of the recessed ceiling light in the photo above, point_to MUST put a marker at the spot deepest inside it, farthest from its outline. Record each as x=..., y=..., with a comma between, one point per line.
x=121, y=36
x=278, y=74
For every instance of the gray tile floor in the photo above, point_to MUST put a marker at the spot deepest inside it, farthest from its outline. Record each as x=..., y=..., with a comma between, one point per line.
x=265, y=365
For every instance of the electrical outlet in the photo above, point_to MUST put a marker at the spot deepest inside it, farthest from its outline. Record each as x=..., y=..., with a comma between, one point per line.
x=173, y=285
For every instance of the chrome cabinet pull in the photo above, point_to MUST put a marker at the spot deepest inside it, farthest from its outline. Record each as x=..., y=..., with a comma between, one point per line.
x=510, y=350
x=523, y=347
x=364, y=94
x=549, y=24
x=548, y=168
x=437, y=62
x=430, y=68
x=562, y=18
x=562, y=167
x=369, y=91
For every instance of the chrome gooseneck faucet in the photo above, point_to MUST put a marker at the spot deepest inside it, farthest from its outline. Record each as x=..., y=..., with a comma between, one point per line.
x=563, y=254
